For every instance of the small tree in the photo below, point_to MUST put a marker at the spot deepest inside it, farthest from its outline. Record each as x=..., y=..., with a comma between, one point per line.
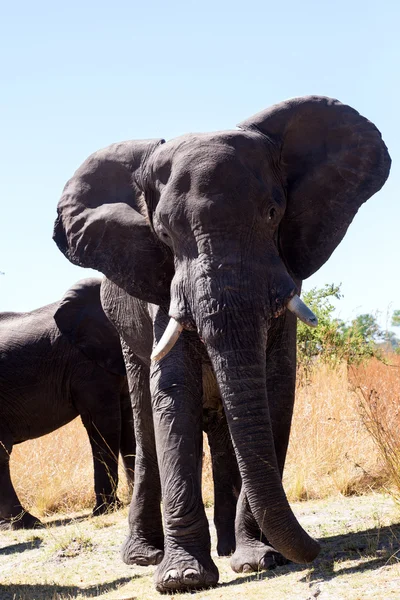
x=333, y=340
x=396, y=318
x=367, y=326
x=392, y=338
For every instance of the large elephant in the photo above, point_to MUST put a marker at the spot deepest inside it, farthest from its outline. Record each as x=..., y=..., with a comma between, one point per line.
x=218, y=230
x=58, y=362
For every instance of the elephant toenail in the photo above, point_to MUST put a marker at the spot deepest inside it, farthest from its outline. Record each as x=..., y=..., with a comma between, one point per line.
x=267, y=563
x=190, y=576
x=247, y=568
x=158, y=558
x=171, y=575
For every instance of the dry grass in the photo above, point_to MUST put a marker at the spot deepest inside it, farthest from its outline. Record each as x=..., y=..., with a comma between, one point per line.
x=330, y=452
x=207, y=483
x=55, y=473
x=332, y=455
x=378, y=388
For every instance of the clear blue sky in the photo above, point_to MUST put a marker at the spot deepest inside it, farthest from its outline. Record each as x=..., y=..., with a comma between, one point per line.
x=79, y=75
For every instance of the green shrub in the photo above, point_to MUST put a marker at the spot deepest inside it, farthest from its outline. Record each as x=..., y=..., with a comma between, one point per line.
x=334, y=341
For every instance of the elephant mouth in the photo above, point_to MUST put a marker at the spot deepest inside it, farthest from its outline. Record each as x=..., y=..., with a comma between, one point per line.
x=175, y=328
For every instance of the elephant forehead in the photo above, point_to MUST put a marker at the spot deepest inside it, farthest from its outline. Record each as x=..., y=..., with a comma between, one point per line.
x=205, y=153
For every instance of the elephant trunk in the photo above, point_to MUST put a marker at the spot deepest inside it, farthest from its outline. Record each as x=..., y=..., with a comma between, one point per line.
x=239, y=365
x=230, y=303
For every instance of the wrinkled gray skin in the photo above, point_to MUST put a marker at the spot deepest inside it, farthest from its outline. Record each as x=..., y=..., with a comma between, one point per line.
x=235, y=220
x=133, y=319
x=58, y=362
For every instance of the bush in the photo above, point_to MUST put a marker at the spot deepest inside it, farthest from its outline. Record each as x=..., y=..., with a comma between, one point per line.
x=374, y=376
x=333, y=341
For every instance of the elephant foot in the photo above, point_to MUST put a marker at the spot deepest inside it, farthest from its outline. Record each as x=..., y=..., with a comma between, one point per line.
x=138, y=551
x=256, y=557
x=179, y=571
x=23, y=521
x=105, y=506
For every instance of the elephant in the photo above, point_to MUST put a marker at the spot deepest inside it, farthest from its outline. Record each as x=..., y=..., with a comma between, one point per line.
x=217, y=231
x=58, y=362
x=132, y=319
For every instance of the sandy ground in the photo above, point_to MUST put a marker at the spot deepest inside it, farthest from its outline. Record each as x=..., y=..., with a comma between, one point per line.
x=76, y=556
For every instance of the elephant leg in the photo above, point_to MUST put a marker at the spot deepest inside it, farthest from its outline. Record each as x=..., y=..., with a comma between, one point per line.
x=176, y=386
x=12, y=514
x=253, y=551
x=227, y=481
x=128, y=441
x=100, y=414
x=144, y=544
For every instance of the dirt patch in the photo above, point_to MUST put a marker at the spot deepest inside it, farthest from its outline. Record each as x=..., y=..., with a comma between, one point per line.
x=78, y=558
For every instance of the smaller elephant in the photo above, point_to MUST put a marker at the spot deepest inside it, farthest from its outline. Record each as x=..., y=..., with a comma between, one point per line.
x=58, y=362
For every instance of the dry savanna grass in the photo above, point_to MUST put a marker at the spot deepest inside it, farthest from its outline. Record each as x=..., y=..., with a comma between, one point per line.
x=345, y=436
x=378, y=388
x=340, y=421
x=333, y=448
x=330, y=450
x=54, y=473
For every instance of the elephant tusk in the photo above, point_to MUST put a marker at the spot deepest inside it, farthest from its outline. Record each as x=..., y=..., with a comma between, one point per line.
x=302, y=312
x=168, y=340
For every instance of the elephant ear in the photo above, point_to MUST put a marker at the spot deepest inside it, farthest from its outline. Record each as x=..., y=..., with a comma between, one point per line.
x=80, y=317
x=99, y=224
x=332, y=160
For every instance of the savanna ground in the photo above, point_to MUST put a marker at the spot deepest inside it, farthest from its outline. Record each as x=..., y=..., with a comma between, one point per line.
x=342, y=478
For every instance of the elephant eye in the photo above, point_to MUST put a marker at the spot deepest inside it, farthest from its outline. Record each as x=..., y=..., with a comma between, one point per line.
x=271, y=214
x=160, y=230
x=162, y=234
x=165, y=236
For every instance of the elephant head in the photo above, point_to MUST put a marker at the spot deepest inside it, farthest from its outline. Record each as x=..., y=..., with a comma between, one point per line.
x=233, y=221
x=81, y=319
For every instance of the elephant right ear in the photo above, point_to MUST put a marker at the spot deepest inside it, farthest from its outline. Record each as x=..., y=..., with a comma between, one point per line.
x=99, y=225
x=81, y=319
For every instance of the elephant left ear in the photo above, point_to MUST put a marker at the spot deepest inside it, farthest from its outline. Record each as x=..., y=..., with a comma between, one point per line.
x=80, y=317
x=331, y=161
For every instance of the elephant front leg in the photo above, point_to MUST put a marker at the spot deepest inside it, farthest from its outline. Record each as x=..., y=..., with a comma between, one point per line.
x=144, y=544
x=100, y=414
x=227, y=481
x=253, y=551
x=177, y=409
x=12, y=514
